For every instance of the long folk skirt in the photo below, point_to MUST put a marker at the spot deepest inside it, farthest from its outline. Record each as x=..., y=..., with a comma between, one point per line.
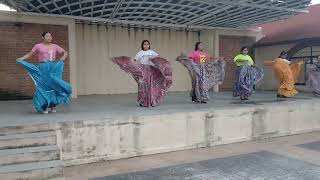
x=314, y=79
x=203, y=77
x=153, y=81
x=51, y=89
x=247, y=77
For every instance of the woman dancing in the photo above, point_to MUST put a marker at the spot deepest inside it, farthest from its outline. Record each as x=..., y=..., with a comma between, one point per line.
x=205, y=72
x=152, y=73
x=314, y=78
x=287, y=74
x=247, y=75
x=51, y=90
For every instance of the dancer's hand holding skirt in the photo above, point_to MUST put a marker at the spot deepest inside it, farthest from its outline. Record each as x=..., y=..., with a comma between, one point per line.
x=247, y=77
x=203, y=77
x=51, y=89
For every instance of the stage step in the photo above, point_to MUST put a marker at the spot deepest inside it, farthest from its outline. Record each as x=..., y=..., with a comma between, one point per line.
x=33, y=171
x=29, y=154
x=302, y=88
x=20, y=129
x=57, y=178
x=13, y=141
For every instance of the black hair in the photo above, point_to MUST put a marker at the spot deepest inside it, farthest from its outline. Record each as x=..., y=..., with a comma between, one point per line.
x=196, y=46
x=242, y=48
x=144, y=42
x=282, y=53
x=44, y=34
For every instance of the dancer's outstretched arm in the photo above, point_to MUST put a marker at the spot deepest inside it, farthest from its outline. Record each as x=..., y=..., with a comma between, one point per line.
x=216, y=58
x=27, y=56
x=268, y=62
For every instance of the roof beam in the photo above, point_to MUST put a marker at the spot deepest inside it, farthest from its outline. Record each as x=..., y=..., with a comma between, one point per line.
x=57, y=7
x=116, y=9
x=123, y=22
x=92, y=6
x=35, y=8
x=103, y=8
x=214, y=12
x=80, y=4
x=250, y=4
x=68, y=7
x=42, y=5
x=127, y=5
x=189, y=13
x=243, y=3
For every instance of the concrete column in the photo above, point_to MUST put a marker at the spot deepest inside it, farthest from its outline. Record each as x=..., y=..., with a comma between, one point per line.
x=216, y=54
x=73, y=58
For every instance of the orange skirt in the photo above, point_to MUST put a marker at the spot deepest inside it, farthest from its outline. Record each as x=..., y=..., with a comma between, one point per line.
x=287, y=75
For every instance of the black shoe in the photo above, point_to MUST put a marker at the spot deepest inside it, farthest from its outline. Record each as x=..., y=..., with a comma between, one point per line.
x=203, y=102
x=281, y=96
x=234, y=94
x=196, y=101
x=244, y=99
x=316, y=94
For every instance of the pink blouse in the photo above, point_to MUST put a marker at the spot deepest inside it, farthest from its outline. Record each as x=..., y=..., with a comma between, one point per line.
x=45, y=53
x=199, y=57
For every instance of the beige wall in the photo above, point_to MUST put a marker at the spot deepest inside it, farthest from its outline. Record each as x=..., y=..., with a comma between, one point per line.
x=97, y=43
x=269, y=81
x=208, y=37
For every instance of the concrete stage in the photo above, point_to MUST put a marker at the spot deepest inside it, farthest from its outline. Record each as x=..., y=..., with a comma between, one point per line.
x=105, y=127
x=98, y=107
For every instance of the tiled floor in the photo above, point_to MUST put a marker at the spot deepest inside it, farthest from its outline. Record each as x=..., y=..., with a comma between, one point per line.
x=251, y=166
x=315, y=146
x=284, y=158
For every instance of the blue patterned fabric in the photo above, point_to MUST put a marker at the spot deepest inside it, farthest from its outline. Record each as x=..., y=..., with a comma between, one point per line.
x=247, y=77
x=51, y=89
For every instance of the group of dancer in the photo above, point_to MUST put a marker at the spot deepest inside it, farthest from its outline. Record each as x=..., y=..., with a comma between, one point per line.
x=153, y=74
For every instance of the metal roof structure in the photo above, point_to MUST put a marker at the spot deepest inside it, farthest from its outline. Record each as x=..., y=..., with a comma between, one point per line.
x=167, y=13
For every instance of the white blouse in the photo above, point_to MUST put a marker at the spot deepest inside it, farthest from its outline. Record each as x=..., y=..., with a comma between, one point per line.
x=144, y=57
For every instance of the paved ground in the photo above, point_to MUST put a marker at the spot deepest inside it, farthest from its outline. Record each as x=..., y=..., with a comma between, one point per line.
x=286, y=158
x=114, y=106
